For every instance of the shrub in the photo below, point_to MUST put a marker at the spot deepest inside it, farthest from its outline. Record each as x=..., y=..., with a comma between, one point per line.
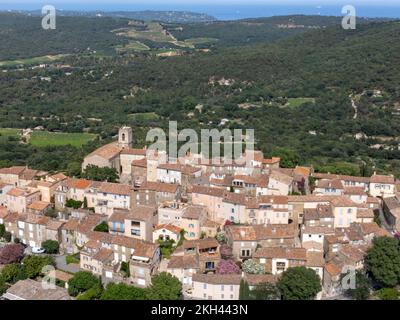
x=252, y=267
x=51, y=246
x=81, y=282
x=121, y=291
x=11, y=253
x=221, y=237
x=227, y=267
x=102, y=227
x=388, y=294
x=12, y=273
x=75, y=204
x=71, y=259
x=34, y=265
x=7, y=236
x=299, y=283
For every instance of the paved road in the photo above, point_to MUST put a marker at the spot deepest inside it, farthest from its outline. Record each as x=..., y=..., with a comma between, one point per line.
x=62, y=265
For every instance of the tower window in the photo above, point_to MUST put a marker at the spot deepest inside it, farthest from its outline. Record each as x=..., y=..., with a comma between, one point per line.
x=123, y=137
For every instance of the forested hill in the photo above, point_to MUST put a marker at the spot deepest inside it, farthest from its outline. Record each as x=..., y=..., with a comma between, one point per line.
x=326, y=96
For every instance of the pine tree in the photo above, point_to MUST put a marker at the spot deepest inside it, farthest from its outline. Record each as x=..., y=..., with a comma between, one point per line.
x=244, y=290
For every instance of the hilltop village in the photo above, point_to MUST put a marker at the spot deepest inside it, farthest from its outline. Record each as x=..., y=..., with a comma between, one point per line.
x=194, y=220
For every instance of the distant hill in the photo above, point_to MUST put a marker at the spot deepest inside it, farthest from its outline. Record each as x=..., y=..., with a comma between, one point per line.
x=148, y=15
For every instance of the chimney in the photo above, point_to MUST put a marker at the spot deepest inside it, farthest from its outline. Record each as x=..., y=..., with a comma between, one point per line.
x=242, y=233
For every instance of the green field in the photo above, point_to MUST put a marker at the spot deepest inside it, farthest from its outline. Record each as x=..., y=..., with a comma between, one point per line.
x=296, y=102
x=31, y=61
x=133, y=46
x=45, y=139
x=6, y=132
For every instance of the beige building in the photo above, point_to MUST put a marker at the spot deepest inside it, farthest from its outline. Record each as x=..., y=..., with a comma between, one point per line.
x=216, y=287
x=277, y=259
x=18, y=199
x=382, y=186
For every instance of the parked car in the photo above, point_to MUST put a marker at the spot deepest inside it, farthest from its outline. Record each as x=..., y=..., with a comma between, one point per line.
x=38, y=250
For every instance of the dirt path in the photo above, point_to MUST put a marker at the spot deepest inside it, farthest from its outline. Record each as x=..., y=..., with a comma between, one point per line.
x=353, y=104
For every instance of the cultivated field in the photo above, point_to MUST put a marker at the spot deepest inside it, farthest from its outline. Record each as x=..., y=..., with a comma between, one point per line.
x=45, y=139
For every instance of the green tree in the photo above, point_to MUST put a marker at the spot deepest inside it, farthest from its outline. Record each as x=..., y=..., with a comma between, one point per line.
x=80, y=282
x=299, y=283
x=2, y=230
x=75, y=204
x=363, y=287
x=244, y=290
x=265, y=291
x=12, y=273
x=388, y=294
x=7, y=236
x=51, y=246
x=121, y=291
x=383, y=261
x=96, y=173
x=93, y=293
x=165, y=286
x=34, y=264
x=102, y=227
x=3, y=286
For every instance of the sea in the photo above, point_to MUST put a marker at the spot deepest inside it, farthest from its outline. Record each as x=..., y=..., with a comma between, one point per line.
x=233, y=11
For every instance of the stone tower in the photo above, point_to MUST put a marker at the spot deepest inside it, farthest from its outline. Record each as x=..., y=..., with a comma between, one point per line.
x=125, y=137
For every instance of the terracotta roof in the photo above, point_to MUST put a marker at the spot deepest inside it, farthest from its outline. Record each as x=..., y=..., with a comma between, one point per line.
x=19, y=192
x=71, y=224
x=354, y=191
x=262, y=232
x=201, y=243
x=303, y=171
x=77, y=183
x=58, y=176
x=115, y=188
x=139, y=163
x=235, y=198
x=372, y=227
x=281, y=253
x=54, y=224
x=136, y=152
x=63, y=276
x=159, y=187
x=365, y=213
x=227, y=279
x=325, y=183
x=103, y=255
x=142, y=213
x=185, y=169
x=107, y=151
x=315, y=259
x=170, y=227
x=333, y=269
x=39, y=205
x=194, y=212
x=213, y=192
x=342, y=201
x=16, y=170
x=310, y=198
x=119, y=216
x=271, y=161
x=12, y=217
x=183, y=262
x=377, y=178
x=273, y=199
x=32, y=290
x=341, y=177
x=318, y=230
x=281, y=177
